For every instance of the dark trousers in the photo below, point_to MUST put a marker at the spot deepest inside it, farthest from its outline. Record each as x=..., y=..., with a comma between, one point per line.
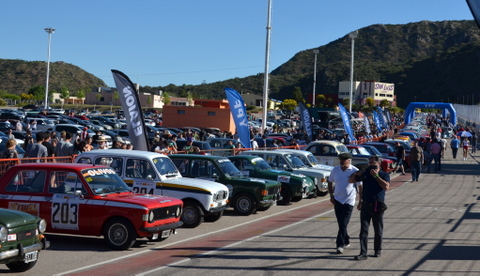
x=454, y=152
x=416, y=169
x=343, y=212
x=367, y=215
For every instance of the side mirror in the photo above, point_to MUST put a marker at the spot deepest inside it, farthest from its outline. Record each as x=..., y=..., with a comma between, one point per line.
x=78, y=193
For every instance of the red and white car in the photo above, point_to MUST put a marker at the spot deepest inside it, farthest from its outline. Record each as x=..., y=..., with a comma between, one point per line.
x=359, y=150
x=83, y=199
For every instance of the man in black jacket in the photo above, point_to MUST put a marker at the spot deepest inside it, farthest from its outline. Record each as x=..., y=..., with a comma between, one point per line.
x=372, y=194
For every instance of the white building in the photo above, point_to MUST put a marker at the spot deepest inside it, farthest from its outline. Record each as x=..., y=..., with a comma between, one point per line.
x=378, y=91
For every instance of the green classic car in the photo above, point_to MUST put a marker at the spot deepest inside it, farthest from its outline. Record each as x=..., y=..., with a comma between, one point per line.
x=246, y=194
x=21, y=239
x=295, y=186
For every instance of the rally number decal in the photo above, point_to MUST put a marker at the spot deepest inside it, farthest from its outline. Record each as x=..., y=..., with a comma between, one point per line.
x=65, y=215
x=144, y=187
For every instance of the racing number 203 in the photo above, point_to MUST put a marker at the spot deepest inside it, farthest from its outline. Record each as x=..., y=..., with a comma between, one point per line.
x=64, y=213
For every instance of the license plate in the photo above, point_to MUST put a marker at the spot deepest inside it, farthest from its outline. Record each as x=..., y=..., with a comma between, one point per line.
x=30, y=257
x=166, y=234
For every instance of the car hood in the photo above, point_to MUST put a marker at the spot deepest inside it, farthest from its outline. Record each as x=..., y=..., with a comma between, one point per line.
x=196, y=183
x=313, y=172
x=13, y=218
x=145, y=200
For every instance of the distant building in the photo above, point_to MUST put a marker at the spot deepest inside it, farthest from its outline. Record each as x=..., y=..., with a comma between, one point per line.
x=378, y=91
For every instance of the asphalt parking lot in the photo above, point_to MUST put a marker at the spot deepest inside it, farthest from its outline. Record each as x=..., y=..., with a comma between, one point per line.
x=431, y=228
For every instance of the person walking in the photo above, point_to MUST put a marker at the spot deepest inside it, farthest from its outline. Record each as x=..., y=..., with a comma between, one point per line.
x=416, y=160
x=474, y=142
x=400, y=155
x=435, y=152
x=454, y=144
x=37, y=150
x=371, y=193
x=342, y=196
x=465, y=144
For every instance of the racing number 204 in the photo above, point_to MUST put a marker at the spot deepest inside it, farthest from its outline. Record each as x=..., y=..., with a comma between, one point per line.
x=65, y=213
x=143, y=190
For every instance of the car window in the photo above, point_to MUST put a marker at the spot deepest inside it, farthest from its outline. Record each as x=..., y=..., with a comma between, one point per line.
x=164, y=166
x=62, y=182
x=137, y=168
x=182, y=165
x=27, y=181
x=115, y=162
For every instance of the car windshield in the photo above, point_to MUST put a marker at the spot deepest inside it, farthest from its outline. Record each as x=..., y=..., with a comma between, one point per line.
x=305, y=160
x=294, y=160
x=104, y=181
x=313, y=160
x=228, y=168
x=165, y=166
x=260, y=164
x=342, y=148
x=363, y=151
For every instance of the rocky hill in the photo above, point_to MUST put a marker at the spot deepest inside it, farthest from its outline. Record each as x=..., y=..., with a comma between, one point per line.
x=427, y=61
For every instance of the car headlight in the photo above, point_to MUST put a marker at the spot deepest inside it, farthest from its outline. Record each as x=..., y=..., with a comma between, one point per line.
x=3, y=234
x=42, y=226
x=316, y=181
x=151, y=216
x=179, y=211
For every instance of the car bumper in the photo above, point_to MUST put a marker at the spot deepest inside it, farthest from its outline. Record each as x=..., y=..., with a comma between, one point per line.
x=21, y=251
x=160, y=228
x=217, y=209
x=271, y=201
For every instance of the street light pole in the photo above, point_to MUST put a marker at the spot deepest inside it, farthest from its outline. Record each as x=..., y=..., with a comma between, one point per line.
x=352, y=36
x=50, y=31
x=314, y=76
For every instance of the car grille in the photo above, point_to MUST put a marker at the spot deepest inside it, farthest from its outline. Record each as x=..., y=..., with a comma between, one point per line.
x=166, y=212
x=273, y=190
x=24, y=235
x=221, y=195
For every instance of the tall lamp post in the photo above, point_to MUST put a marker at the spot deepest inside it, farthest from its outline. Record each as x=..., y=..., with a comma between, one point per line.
x=50, y=31
x=315, y=51
x=352, y=36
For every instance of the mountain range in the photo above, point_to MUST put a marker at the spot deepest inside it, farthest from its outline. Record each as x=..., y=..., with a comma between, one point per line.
x=427, y=61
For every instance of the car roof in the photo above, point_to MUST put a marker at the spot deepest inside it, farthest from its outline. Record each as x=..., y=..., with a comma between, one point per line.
x=75, y=166
x=329, y=142
x=198, y=156
x=122, y=152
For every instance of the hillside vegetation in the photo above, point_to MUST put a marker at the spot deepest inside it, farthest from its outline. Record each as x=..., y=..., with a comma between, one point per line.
x=427, y=61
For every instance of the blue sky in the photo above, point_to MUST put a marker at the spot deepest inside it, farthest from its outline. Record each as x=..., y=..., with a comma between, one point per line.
x=158, y=42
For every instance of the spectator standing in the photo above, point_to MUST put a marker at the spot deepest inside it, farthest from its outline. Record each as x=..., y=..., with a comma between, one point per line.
x=34, y=125
x=230, y=148
x=10, y=151
x=342, y=196
x=474, y=142
x=189, y=148
x=47, y=143
x=10, y=134
x=416, y=160
x=19, y=126
x=374, y=184
x=253, y=143
x=400, y=155
x=435, y=152
x=454, y=144
x=65, y=148
x=37, y=150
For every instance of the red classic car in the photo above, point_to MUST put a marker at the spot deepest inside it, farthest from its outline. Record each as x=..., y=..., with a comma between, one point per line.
x=83, y=199
x=359, y=150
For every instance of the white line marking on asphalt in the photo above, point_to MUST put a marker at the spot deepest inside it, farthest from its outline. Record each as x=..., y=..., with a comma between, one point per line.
x=184, y=240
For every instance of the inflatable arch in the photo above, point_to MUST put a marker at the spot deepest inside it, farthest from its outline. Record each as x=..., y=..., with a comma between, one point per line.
x=410, y=110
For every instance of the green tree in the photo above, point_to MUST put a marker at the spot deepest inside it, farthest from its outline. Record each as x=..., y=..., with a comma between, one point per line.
x=370, y=102
x=346, y=103
x=98, y=96
x=116, y=96
x=37, y=92
x=297, y=95
x=320, y=100
x=288, y=104
x=384, y=103
x=166, y=98
x=81, y=94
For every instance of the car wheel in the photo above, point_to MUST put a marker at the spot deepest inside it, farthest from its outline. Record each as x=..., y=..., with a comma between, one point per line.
x=192, y=215
x=21, y=266
x=286, y=195
x=214, y=217
x=119, y=234
x=245, y=204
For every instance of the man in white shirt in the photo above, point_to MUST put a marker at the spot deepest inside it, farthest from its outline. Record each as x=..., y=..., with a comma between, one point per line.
x=343, y=197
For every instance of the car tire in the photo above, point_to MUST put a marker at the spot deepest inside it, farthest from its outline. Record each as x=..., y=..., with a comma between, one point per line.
x=21, y=266
x=245, y=204
x=286, y=195
x=214, y=217
x=119, y=234
x=192, y=214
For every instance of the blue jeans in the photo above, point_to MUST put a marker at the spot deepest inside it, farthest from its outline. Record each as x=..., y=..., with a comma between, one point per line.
x=416, y=169
x=343, y=212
